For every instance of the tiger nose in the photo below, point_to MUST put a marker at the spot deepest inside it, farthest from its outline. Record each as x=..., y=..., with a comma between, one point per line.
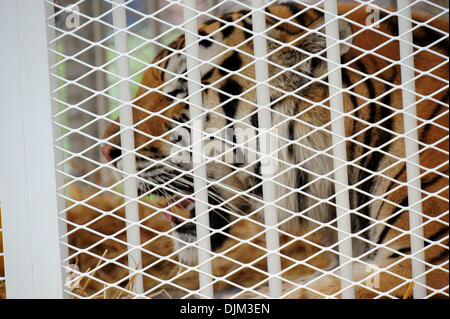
x=110, y=153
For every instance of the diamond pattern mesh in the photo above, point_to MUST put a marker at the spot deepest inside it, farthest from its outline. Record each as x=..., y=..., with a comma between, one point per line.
x=2, y=261
x=160, y=262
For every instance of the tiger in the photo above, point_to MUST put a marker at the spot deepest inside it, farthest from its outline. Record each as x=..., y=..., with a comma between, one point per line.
x=299, y=105
x=164, y=272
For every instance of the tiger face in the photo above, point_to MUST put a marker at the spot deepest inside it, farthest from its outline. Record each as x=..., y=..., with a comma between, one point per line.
x=301, y=124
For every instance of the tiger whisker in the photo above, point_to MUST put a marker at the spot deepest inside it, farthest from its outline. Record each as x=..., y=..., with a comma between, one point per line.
x=213, y=194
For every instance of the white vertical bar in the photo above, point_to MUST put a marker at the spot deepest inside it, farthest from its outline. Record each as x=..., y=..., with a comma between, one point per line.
x=339, y=149
x=100, y=77
x=199, y=169
x=266, y=147
x=154, y=26
x=153, y=6
x=216, y=11
x=127, y=143
x=27, y=172
x=57, y=131
x=411, y=147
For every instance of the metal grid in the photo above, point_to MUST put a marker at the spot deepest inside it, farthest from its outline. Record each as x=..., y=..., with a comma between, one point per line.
x=115, y=242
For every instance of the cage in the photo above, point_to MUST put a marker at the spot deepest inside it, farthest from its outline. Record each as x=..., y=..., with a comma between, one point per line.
x=224, y=149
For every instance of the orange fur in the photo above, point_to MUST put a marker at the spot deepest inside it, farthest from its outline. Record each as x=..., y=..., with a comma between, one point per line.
x=158, y=250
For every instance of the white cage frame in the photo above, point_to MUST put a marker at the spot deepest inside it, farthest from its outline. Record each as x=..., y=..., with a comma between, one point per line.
x=31, y=219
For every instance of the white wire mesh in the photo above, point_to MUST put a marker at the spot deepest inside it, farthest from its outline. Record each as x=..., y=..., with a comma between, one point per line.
x=27, y=194
x=96, y=209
